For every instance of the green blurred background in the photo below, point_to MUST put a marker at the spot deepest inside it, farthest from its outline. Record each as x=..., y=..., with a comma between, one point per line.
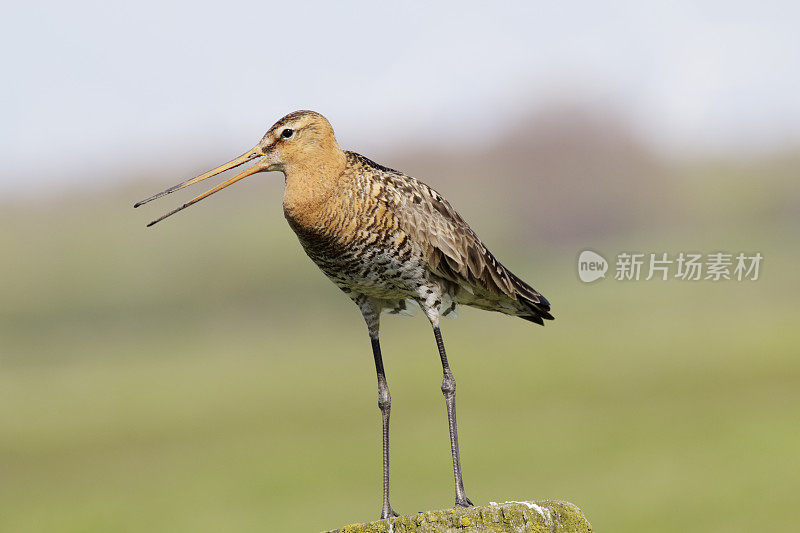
x=202, y=375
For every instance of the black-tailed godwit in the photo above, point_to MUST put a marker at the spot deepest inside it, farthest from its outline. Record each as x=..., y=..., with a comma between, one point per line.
x=386, y=240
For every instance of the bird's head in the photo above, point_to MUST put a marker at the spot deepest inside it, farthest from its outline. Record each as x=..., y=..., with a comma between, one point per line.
x=300, y=139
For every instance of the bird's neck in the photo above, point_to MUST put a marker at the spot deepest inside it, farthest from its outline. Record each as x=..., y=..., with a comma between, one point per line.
x=310, y=183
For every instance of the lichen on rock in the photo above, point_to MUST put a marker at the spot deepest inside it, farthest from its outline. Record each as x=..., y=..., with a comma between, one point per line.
x=545, y=516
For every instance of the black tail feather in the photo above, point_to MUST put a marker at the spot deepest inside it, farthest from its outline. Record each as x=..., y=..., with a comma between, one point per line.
x=532, y=300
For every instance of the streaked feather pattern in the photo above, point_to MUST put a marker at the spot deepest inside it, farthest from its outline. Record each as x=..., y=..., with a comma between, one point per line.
x=391, y=238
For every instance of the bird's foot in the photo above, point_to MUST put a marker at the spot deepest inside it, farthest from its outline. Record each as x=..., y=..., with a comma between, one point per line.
x=462, y=504
x=388, y=512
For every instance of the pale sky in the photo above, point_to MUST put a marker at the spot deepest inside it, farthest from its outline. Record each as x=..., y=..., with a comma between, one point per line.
x=93, y=86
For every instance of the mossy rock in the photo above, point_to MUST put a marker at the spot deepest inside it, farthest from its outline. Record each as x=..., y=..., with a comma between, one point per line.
x=545, y=516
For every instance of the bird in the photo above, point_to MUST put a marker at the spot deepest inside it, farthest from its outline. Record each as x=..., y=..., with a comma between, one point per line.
x=387, y=240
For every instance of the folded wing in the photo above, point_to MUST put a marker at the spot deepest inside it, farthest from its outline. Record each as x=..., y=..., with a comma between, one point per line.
x=455, y=253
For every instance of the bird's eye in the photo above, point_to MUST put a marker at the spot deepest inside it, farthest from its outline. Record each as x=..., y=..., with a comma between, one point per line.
x=288, y=132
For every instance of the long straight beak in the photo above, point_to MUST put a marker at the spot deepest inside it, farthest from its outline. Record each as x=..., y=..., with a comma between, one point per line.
x=242, y=159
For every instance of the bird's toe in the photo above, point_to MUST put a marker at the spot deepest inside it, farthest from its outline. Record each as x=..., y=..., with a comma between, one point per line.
x=388, y=513
x=464, y=503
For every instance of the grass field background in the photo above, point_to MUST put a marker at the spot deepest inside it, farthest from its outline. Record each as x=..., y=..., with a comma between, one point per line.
x=202, y=375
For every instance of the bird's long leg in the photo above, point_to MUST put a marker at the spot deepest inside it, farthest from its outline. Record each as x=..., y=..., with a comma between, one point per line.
x=371, y=313
x=449, y=391
x=385, y=405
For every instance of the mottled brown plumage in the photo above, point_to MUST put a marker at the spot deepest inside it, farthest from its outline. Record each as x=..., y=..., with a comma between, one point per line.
x=386, y=239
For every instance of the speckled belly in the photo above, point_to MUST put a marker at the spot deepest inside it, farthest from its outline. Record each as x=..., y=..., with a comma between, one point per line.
x=366, y=265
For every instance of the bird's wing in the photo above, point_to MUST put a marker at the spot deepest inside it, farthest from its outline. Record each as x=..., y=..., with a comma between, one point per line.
x=452, y=249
